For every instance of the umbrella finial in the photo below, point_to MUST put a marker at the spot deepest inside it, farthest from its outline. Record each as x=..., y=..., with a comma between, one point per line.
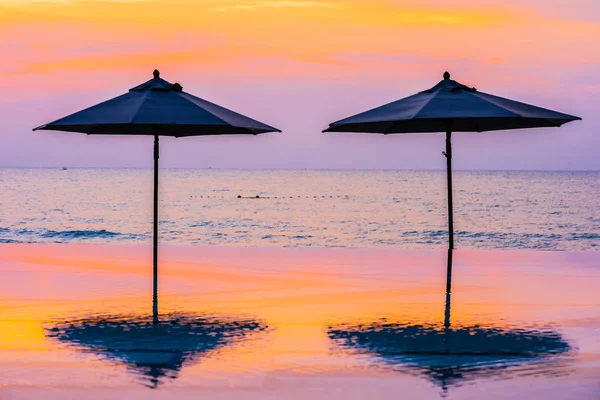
x=446, y=75
x=156, y=74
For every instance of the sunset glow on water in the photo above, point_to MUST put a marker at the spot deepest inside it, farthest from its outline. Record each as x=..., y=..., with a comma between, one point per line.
x=272, y=320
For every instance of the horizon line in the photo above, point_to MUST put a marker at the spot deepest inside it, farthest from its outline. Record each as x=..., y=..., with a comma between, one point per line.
x=304, y=169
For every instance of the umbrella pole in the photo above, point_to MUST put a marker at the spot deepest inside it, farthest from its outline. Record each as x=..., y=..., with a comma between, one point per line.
x=449, y=273
x=448, y=155
x=155, y=231
x=447, y=311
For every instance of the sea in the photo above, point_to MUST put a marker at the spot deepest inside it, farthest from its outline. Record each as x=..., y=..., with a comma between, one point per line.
x=301, y=208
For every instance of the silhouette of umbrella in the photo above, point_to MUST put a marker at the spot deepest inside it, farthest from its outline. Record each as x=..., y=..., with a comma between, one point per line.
x=450, y=107
x=155, y=350
x=156, y=108
x=450, y=355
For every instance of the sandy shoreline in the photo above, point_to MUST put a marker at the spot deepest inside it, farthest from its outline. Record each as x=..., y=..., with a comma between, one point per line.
x=298, y=294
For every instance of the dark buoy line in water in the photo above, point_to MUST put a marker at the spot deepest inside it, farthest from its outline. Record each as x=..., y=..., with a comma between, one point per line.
x=272, y=197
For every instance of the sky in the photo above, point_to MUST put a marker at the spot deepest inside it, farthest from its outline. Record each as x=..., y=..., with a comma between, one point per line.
x=299, y=65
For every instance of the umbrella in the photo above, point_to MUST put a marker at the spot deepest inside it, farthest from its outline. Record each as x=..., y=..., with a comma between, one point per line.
x=154, y=350
x=450, y=107
x=450, y=355
x=155, y=108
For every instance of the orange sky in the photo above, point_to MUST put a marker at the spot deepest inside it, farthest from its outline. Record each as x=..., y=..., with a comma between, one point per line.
x=547, y=52
x=281, y=38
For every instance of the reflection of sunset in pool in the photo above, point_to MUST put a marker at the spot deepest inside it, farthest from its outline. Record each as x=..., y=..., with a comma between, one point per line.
x=298, y=294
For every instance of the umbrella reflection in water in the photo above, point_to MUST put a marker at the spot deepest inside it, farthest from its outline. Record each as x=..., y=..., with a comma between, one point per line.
x=155, y=350
x=450, y=356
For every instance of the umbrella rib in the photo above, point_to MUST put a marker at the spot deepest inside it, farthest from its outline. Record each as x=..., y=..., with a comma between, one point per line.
x=550, y=121
x=256, y=128
x=423, y=106
x=396, y=122
x=211, y=113
x=139, y=107
x=475, y=94
x=492, y=97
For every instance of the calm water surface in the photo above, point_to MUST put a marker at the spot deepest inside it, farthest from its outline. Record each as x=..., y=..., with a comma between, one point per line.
x=274, y=323
x=525, y=210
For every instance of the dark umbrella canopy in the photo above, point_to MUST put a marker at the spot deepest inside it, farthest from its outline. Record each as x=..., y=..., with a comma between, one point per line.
x=450, y=106
x=153, y=350
x=158, y=107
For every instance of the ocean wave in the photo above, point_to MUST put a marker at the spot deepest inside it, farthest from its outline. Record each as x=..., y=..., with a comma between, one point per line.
x=43, y=235
x=80, y=234
x=425, y=233
x=584, y=236
x=545, y=236
x=202, y=224
x=549, y=240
